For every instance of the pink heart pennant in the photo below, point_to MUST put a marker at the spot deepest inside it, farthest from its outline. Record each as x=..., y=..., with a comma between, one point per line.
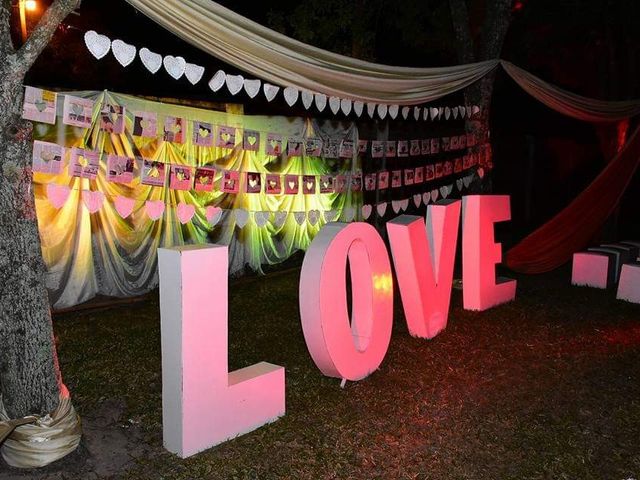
x=213, y=215
x=124, y=205
x=154, y=208
x=92, y=200
x=185, y=212
x=57, y=194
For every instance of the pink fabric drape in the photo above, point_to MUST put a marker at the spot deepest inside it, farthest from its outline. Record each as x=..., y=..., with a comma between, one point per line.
x=572, y=229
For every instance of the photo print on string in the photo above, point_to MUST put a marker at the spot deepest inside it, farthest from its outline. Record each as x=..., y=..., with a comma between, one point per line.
x=254, y=182
x=174, y=128
x=202, y=134
x=226, y=137
x=313, y=147
x=47, y=157
x=390, y=148
x=153, y=173
x=356, y=182
x=403, y=148
x=295, y=146
x=274, y=144
x=396, y=179
x=231, y=181
x=77, y=112
x=377, y=149
x=120, y=169
x=112, y=118
x=309, y=184
x=414, y=149
x=39, y=105
x=181, y=177
x=326, y=184
x=84, y=163
x=145, y=124
x=383, y=180
x=251, y=140
x=204, y=178
x=419, y=175
x=370, y=182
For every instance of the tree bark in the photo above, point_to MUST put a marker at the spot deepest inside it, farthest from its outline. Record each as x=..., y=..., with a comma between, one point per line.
x=29, y=373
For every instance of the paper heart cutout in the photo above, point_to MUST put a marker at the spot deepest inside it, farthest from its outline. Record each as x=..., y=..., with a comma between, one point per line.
x=320, y=100
x=433, y=113
x=459, y=184
x=151, y=60
x=174, y=66
x=444, y=191
x=371, y=109
x=345, y=106
x=405, y=112
x=417, y=200
x=358, y=106
x=242, y=217
x=185, y=212
x=434, y=195
x=426, y=197
x=270, y=91
x=404, y=204
x=225, y=136
x=480, y=172
x=291, y=184
x=124, y=53
x=313, y=216
x=447, y=113
x=416, y=113
x=234, y=83
x=124, y=205
x=334, y=104
x=382, y=111
x=440, y=112
x=154, y=208
x=330, y=215
x=261, y=218
x=300, y=217
x=395, y=204
x=291, y=95
x=92, y=200
x=454, y=112
x=57, y=194
x=217, y=81
x=279, y=218
x=469, y=111
x=393, y=111
x=381, y=208
x=193, y=73
x=213, y=215
x=348, y=214
x=462, y=111
x=366, y=211
x=307, y=99
x=98, y=45
x=252, y=139
x=253, y=182
x=467, y=180
x=252, y=87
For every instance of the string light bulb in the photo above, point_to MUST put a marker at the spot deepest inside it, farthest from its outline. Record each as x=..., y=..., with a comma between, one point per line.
x=31, y=5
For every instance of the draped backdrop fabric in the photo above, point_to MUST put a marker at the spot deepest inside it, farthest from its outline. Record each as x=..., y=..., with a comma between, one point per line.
x=572, y=229
x=102, y=253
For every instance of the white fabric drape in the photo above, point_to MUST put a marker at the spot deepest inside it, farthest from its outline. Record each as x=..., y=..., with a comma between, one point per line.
x=277, y=58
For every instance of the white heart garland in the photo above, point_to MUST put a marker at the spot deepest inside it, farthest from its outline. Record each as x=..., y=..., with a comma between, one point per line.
x=358, y=106
x=320, y=100
x=371, y=109
x=193, y=73
x=300, y=217
x=434, y=195
x=270, y=91
x=467, y=180
x=307, y=99
x=445, y=190
x=405, y=112
x=440, y=112
x=366, y=211
x=395, y=204
x=382, y=111
x=261, y=218
x=463, y=112
x=174, y=66
x=234, y=83
x=417, y=200
x=469, y=111
x=404, y=204
x=416, y=113
x=393, y=111
x=426, y=197
x=334, y=104
x=348, y=214
x=252, y=87
x=314, y=217
x=381, y=208
x=151, y=60
x=124, y=53
x=279, y=218
x=330, y=215
x=242, y=217
x=433, y=113
x=459, y=184
x=217, y=81
x=425, y=114
x=291, y=95
x=98, y=45
x=447, y=113
x=345, y=106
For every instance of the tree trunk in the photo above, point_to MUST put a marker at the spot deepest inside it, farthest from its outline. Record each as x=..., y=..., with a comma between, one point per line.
x=29, y=375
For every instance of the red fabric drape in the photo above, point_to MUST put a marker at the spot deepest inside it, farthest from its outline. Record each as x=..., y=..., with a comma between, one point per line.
x=572, y=229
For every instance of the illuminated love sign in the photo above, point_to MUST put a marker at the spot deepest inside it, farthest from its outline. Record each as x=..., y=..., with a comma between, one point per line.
x=203, y=404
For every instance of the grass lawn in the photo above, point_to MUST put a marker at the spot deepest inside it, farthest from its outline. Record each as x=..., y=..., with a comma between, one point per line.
x=545, y=387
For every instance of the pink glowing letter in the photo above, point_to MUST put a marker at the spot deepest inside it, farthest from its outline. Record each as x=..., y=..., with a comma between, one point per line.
x=480, y=254
x=424, y=258
x=202, y=403
x=339, y=349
